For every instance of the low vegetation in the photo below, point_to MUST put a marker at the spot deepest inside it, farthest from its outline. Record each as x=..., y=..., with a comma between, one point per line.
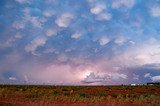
x=33, y=95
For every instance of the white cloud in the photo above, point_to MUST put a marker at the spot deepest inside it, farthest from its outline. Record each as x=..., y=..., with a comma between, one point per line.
x=104, y=16
x=120, y=3
x=103, y=40
x=91, y=78
x=155, y=11
x=18, y=35
x=49, y=50
x=103, y=77
x=10, y=41
x=132, y=42
x=76, y=35
x=147, y=75
x=117, y=76
x=144, y=53
x=64, y=20
x=22, y=1
x=119, y=40
x=51, y=32
x=97, y=9
x=12, y=78
x=100, y=11
x=155, y=78
x=37, y=22
x=34, y=20
x=48, y=13
x=18, y=25
x=39, y=41
x=26, y=11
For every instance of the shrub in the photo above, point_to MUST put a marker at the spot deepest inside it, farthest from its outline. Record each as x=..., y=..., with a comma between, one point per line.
x=64, y=88
x=66, y=94
x=114, y=95
x=55, y=93
x=132, y=95
x=75, y=88
x=101, y=95
x=83, y=95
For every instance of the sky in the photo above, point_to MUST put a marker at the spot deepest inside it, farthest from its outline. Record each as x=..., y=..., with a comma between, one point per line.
x=79, y=42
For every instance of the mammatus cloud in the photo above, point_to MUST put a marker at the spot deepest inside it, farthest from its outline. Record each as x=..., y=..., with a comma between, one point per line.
x=119, y=40
x=51, y=32
x=98, y=8
x=48, y=13
x=37, y=42
x=22, y=1
x=18, y=25
x=120, y=3
x=76, y=35
x=96, y=41
x=64, y=20
x=104, y=16
x=28, y=18
x=100, y=11
x=103, y=40
x=155, y=11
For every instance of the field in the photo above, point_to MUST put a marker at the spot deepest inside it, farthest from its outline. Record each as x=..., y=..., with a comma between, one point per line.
x=43, y=95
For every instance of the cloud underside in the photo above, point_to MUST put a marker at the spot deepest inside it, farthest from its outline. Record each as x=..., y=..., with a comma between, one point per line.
x=81, y=42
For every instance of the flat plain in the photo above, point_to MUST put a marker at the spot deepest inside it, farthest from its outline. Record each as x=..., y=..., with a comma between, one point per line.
x=47, y=95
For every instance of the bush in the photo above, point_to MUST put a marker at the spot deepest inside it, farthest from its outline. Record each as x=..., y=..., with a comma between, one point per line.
x=101, y=95
x=66, y=94
x=114, y=95
x=83, y=95
x=64, y=88
x=75, y=88
x=55, y=93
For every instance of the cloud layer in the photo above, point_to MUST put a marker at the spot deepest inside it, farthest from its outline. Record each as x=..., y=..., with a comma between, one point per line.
x=82, y=42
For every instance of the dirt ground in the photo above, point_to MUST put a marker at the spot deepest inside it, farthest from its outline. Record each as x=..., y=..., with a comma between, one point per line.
x=37, y=95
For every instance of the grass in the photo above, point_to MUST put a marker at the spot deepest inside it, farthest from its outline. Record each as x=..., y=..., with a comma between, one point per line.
x=101, y=95
x=92, y=95
x=76, y=88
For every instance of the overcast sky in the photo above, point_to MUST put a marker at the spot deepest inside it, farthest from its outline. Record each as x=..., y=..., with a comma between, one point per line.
x=79, y=41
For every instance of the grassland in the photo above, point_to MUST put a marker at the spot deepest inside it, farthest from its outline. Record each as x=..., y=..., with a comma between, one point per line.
x=42, y=95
